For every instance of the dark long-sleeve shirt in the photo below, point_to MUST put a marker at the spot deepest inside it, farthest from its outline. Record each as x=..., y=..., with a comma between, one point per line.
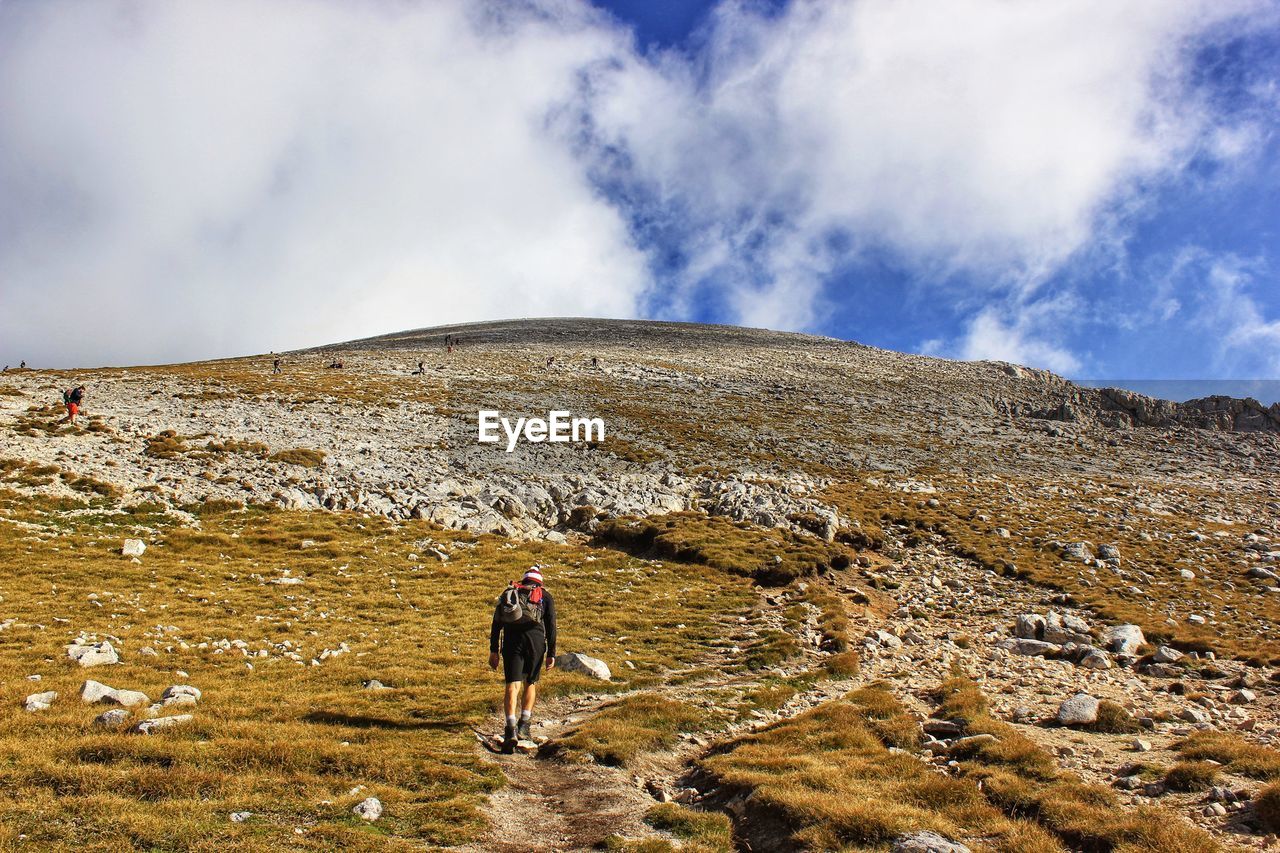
x=548, y=626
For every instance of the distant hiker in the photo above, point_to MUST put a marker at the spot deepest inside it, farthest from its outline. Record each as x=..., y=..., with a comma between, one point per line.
x=551, y=359
x=595, y=362
x=275, y=366
x=421, y=371
x=22, y=366
x=72, y=400
x=525, y=616
x=335, y=364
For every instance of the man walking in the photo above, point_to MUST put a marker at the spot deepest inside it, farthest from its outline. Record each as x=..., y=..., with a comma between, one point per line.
x=525, y=617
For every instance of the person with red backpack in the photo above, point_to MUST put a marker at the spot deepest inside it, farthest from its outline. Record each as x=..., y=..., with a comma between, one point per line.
x=73, y=400
x=524, y=630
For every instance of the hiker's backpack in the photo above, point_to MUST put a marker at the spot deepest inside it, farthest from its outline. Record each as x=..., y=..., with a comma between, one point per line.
x=66, y=397
x=520, y=605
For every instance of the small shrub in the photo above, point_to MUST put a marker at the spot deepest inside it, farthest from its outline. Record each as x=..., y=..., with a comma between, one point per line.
x=1247, y=759
x=711, y=829
x=302, y=456
x=1191, y=776
x=630, y=727
x=843, y=665
x=1114, y=720
x=1267, y=807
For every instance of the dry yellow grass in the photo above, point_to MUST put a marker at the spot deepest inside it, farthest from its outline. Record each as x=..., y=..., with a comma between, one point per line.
x=772, y=555
x=633, y=725
x=829, y=782
x=1234, y=752
x=1023, y=779
x=290, y=742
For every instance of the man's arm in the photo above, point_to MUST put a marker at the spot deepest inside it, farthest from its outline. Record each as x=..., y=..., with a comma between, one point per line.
x=550, y=620
x=494, y=631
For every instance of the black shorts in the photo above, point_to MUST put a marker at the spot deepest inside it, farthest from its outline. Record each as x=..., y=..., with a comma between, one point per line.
x=522, y=655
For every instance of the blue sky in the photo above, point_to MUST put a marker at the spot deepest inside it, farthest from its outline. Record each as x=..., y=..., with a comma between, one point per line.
x=1141, y=307
x=1089, y=186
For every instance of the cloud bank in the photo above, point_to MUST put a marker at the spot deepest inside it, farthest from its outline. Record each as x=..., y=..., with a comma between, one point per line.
x=207, y=178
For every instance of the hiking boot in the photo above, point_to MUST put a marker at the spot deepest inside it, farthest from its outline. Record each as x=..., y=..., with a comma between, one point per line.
x=509, y=740
x=522, y=733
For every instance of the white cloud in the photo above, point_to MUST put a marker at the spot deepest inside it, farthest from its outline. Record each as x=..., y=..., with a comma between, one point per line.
x=975, y=136
x=991, y=336
x=1245, y=342
x=202, y=178
x=216, y=176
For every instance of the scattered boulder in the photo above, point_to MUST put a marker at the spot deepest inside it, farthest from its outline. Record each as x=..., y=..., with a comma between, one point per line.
x=884, y=638
x=133, y=548
x=1078, y=551
x=40, y=701
x=127, y=698
x=1095, y=659
x=111, y=719
x=180, y=694
x=1193, y=715
x=1079, y=710
x=1030, y=626
x=370, y=808
x=146, y=727
x=925, y=841
x=1123, y=639
x=942, y=728
x=580, y=663
x=1066, y=628
x=240, y=817
x=94, y=691
x=375, y=684
x=93, y=654
x=1167, y=654
x=1031, y=648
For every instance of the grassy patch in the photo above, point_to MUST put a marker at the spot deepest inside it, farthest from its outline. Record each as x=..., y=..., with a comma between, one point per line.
x=771, y=648
x=828, y=779
x=255, y=449
x=275, y=734
x=842, y=665
x=305, y=457
x=698, y=831
x=1233, y=752
x=773, y=556
x=1267, y=807
x=1023, y=779
x=1113, y=719
x=636, y=724
x=1191, y=776
x=833, y=619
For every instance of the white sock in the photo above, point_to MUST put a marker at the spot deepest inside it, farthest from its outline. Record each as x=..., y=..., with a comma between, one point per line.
x=525, y=715
x=511, y=720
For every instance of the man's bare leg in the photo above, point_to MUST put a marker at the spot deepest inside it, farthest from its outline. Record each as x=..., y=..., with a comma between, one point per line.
x=530, y=697
x=511, y=701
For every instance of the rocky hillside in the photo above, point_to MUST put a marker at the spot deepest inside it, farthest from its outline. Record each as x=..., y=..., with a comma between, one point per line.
x=1099, y=567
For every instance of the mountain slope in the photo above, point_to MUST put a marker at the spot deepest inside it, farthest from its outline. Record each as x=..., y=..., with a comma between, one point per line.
x=908, y=508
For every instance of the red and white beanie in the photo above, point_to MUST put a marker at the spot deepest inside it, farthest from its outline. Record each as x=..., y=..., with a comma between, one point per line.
x=532, y=576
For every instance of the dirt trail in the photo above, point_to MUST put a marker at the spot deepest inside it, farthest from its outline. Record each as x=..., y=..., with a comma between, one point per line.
x=550, y=804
